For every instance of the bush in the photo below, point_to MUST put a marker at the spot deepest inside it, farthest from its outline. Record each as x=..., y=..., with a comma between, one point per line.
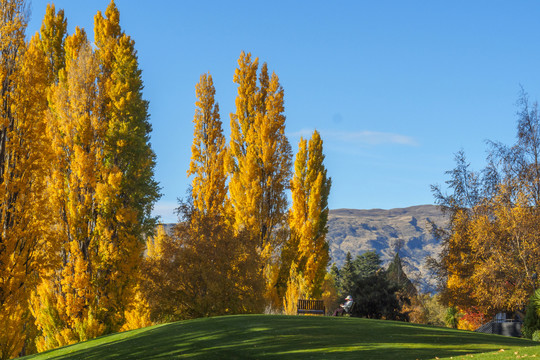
x=375, y=298
x=531, y=323
x=452, y=317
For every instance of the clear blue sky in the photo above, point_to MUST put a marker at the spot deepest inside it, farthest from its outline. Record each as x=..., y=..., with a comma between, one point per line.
x=394, y=87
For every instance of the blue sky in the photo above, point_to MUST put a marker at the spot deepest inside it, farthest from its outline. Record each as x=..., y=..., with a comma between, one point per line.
x=394, y=87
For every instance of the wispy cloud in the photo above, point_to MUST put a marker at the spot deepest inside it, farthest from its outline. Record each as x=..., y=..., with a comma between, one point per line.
x=365, y=138
x=165, y=210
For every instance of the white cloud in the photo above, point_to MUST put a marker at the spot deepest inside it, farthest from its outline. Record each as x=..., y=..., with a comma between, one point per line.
x=361, y=137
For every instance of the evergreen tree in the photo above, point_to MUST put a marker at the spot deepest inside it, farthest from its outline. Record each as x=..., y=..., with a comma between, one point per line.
x=347, y=276
x=375, y=298
x=397, y=276
x=367, y=264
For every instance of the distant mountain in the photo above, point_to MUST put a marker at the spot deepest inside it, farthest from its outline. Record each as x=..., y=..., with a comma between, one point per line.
x=358, y=231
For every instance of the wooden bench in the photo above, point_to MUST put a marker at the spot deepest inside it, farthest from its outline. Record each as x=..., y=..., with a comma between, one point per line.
x=310, y=307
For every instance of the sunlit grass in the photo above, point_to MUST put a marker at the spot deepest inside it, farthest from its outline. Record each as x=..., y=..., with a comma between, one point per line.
x=290, y=337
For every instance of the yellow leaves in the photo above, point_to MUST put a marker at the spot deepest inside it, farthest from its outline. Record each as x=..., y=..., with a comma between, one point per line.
x=12, y=320
x=308, y=216
x=52, y=34
x=260, y=154
x=138, y=314
x=208, y=153
x=296, y=289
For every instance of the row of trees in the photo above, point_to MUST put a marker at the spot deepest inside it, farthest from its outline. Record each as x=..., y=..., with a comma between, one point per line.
x=77, y=188
x=491, y=249
x=76, y=179
x=238, y=248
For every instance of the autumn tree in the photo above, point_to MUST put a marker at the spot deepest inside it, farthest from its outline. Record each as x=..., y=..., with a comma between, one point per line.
x=198, y=273
x=127, y=189
x=260, y=162
x=490, y=248
x=455, y=265
x=211, y=254
x=52, y=36
x=308, y=216
x=208, y=154
x=210, y=268
x=23, y=160
x=66, y=304
x=160, y=277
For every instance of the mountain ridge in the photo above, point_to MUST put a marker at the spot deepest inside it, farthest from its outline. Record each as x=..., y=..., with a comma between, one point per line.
x=406, y=230
x=386, y=231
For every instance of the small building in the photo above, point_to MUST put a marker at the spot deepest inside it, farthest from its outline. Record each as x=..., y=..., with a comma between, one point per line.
x=504, y=323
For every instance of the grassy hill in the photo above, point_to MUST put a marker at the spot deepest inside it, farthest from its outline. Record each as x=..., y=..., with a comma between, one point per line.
x=294, y=337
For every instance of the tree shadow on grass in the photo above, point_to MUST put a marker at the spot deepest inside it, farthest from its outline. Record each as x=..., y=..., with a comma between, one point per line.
x=286, y=337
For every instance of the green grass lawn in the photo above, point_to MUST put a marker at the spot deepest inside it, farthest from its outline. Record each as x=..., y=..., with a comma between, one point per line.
x=294, y=337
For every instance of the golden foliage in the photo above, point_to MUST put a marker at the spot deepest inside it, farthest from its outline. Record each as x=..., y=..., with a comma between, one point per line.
x=24, y=156
x=52, y=36
x=329, y=292
x=260, y=161
x=208, y=153
x=71, y=312
x=296, y=289
x=137, y=314
x=101, y=183
x=308, y=216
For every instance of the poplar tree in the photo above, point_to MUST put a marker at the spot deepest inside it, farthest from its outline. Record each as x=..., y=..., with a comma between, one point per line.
x=308, y=216
x=52, y=35
x=210, y=269
x=23, y=159
x=260, y=163
x=66, y=304
x=208, y=153
x=128, y=191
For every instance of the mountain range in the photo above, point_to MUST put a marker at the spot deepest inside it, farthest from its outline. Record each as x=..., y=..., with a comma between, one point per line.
x=386, y=231
x=406, y=230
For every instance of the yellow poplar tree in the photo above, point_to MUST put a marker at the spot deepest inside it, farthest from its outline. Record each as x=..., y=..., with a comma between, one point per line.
x=128, y=190
x=207, y=269
x=52, y=36
x=23, y=160
x=216, y=286
x=260, y=163
x=208, y=153
x=66, y=304
x=308, y=216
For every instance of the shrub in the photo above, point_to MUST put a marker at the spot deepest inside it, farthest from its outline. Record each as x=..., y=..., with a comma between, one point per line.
x=452, y=317
x=375, y=298
x=531, y=323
